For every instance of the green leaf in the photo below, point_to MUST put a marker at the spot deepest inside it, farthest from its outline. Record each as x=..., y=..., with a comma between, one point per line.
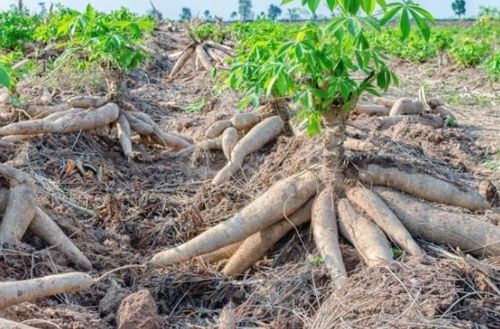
x=271, y=83
x=368, y=6
x=313, y=5
x=352, y=6
x=394, y=8
x=285, y=2
x=382, y=4
x=331, y=4
x=299, y=51
x=15, y=101
x=5, y=77
x=405, y=24
x=422, y=25
x=423, y=13
x=313, y=125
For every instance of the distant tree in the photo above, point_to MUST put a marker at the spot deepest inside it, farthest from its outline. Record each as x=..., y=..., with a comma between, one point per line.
x=43, y=9
x=208, y=16
x=234, y=15
x=297, y=14
x=489, y=12
x=273, y=12
x=458, y=7
x=186, y=14
x=245, y=10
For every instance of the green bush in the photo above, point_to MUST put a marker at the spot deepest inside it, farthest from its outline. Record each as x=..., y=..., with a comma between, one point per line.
x=492, y=66
x=469, y=52
x=16, y=28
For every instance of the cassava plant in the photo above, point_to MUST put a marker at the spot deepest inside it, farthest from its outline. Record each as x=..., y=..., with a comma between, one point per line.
x=113, y=42
x=324, y=70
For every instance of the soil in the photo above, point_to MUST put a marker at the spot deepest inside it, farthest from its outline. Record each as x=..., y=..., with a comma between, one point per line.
x=119, y=212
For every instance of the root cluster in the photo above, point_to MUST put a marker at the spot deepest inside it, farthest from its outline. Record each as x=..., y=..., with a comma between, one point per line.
x=94, y=114
x=206, y=55
x=21, y=213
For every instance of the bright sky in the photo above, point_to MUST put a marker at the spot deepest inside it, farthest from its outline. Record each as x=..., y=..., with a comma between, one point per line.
x=224, y=8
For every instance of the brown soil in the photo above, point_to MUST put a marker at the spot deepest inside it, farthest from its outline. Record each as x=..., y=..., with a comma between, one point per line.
x=121, y=213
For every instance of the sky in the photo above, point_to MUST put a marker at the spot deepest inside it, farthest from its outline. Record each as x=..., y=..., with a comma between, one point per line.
x=224, y=8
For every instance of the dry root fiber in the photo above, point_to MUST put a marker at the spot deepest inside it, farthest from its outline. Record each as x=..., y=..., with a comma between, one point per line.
x=256, y=246
x=423, y=186
x=380, y=213
x=366, y=237
x=467, y=232
x=281, y=199
x=15, y=292
x=407, y=295
x=256, y=138
x=324, y=228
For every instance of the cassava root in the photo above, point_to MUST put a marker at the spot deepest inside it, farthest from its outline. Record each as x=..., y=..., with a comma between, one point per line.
x=229, y=141
x=281, y=199
x=7, y=324
x=15, y=216
x=405, y=106
x=256, y=246
x=256, y=138
x=468, y=232
x=325, y=232
x=423, y=186
x=15, y=292
x=380, y=213
x=366, y=237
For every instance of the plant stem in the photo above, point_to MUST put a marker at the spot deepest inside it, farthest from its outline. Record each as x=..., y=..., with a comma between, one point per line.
x=334, y=122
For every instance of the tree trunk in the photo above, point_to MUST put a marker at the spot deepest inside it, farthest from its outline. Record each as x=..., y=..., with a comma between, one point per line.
x=334, y=122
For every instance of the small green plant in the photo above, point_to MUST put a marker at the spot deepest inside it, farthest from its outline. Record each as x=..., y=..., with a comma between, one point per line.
x=396, y=252
x=197, y=106
x=451, y=122
x=316, y=261
x=209, y=31
x=494, y=165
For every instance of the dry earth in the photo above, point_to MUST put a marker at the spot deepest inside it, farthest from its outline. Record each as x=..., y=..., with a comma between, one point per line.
x=120, y=213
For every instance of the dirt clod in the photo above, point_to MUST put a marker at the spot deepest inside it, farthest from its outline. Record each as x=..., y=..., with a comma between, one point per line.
x=111, y=301
x=138, y=311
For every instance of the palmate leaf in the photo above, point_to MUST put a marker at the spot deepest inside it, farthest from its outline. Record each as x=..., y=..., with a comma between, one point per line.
x=406, y=9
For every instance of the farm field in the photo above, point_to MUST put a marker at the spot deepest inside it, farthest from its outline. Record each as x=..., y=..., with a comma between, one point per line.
x=264, y=174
